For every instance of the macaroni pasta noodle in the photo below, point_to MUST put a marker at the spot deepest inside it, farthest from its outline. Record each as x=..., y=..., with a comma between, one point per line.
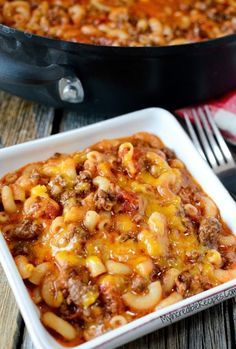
x=106, y=235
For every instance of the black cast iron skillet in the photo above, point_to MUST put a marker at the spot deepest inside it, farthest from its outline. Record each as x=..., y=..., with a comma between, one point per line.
x=114, y=80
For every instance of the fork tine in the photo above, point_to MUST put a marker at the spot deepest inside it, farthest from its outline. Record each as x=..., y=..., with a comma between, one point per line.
x=193, y=135
x=205, y=144
x=220, y=139
x=214, y=146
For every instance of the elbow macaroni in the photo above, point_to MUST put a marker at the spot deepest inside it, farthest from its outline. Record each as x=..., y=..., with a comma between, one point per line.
x=91, y=220
x=126, y=152
x=8, y=200
x=147, y=301
x=59, y=325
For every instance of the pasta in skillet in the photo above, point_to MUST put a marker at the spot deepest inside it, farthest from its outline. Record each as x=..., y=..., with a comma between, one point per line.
x=106, y=235
x=122, y=22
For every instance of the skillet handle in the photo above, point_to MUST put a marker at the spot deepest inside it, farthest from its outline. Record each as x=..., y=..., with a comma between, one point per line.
x=19, y=73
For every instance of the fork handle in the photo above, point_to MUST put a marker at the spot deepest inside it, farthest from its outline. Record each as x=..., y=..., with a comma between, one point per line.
x=228, y=178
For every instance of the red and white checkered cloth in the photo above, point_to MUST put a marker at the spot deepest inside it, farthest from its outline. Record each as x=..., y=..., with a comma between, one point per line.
x=224, y=112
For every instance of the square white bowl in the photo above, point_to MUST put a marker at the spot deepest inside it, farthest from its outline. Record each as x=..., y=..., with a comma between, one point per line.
x=164, y=125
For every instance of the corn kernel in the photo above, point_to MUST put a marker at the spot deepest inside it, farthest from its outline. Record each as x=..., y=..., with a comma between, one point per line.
x=95, y=266
x=89, y=298
x=39, y=190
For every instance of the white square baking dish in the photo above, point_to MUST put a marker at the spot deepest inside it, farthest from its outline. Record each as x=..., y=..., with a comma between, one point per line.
x=163, y=124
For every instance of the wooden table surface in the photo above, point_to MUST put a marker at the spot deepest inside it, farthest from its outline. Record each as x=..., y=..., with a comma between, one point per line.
x=214, y=328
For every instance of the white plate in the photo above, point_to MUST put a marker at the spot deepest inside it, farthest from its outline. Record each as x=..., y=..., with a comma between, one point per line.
x=163, y=124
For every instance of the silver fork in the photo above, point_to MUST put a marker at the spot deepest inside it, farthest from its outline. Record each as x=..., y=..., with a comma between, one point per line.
x=212, y=147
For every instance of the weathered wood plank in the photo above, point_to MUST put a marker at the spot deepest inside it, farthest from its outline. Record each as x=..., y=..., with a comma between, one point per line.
x=19, y=121
x=72, y=120
x=232, y=309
